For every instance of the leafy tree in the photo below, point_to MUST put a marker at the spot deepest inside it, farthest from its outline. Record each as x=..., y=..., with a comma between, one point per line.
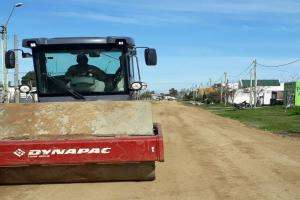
x=173, y=92
x=29, y=79
x=188, y=96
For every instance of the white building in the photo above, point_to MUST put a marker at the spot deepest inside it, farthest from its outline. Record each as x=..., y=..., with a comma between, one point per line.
x=267, y=90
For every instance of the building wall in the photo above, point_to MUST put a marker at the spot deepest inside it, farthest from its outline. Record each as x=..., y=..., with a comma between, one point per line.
x=264, y=94
x=265, y=97
x=292, y=90
x=239, y=97
x=297, y=94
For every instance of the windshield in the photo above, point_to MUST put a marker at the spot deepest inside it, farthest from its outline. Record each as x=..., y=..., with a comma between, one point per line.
x=86, y=71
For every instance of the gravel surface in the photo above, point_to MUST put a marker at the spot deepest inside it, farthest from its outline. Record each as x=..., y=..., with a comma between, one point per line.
x=206, y=157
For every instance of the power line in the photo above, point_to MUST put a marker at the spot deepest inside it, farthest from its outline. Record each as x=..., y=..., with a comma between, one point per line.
x=244, y=71
x=281, y=65
x=219, y=79
x=285, y=75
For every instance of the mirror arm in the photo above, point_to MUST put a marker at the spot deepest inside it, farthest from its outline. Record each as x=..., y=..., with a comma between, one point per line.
x=18, y=50
x=21, y=51
x=141, y=47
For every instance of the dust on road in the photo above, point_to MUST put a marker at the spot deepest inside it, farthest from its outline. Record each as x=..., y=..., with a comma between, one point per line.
x=206, y=157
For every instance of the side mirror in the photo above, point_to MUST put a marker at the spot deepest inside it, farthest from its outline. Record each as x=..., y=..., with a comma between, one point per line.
x=10, y=59
x=150, y=57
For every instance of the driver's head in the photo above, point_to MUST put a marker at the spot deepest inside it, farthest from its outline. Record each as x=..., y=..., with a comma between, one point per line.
x=82, y=59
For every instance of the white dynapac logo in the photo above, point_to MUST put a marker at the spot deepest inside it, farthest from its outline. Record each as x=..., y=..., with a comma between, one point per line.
x=19, y=152
x=50, y=152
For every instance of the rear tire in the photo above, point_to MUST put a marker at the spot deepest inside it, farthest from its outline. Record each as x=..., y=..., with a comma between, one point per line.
x=144, y=171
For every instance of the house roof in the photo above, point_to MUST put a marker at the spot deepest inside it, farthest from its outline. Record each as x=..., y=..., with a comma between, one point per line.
x=270, y=82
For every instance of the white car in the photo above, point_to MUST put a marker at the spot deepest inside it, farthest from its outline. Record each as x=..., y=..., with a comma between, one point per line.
x=170, y=98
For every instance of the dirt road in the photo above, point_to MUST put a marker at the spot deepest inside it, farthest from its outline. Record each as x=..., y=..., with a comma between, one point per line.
x=207, y=157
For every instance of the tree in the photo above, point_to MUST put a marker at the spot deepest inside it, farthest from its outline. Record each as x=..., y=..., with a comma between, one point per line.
x=29, y=79
x=173, y=92
x=188, y=96
x=146, y=95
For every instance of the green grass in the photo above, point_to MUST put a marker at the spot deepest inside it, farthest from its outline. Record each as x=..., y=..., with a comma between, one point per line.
x=271, y=118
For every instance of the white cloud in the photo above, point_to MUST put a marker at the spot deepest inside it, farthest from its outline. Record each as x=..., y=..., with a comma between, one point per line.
x=283, y=14
x=137, y=19
x=99, y=17
x=267, y=6
x=212, y=6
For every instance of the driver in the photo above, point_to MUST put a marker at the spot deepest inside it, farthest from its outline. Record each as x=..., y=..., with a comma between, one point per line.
x=83, y=69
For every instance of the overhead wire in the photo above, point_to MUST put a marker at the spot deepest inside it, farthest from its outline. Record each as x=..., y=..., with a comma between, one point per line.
x=219, y=79
x=281, y=65
x=244, y=71
x=287, y=75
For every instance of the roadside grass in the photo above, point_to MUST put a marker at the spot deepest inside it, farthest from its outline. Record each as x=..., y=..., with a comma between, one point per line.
x=270, y=118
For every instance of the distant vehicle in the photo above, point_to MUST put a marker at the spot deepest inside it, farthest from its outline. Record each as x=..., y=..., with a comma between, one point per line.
x=170, y=98
x=156, y=97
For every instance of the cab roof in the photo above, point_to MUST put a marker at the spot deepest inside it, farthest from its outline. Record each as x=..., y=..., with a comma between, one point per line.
x=77, y=40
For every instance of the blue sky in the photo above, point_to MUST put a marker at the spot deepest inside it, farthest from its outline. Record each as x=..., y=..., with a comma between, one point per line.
x=195, y=39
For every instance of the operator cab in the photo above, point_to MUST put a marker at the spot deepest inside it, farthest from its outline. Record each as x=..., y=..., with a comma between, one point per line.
x=86, y=68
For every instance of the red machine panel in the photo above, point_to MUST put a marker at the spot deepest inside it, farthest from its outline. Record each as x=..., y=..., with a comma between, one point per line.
x=102, y=150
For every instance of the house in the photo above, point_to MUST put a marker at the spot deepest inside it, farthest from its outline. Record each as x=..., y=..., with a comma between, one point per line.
x=233, y=86
x=269, y=92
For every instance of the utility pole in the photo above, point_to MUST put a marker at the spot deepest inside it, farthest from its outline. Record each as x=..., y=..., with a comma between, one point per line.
x=251, y=88
x=255, y=83
x=4, y=69
x=225, y=91
x=221, y=96
x=209, y=82
x=4, y=49
x=194, y=92
x=16, y=74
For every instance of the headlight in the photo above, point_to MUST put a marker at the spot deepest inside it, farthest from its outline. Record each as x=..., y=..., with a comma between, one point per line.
x=33, y=44
x=24, y=88
x=136, y=86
